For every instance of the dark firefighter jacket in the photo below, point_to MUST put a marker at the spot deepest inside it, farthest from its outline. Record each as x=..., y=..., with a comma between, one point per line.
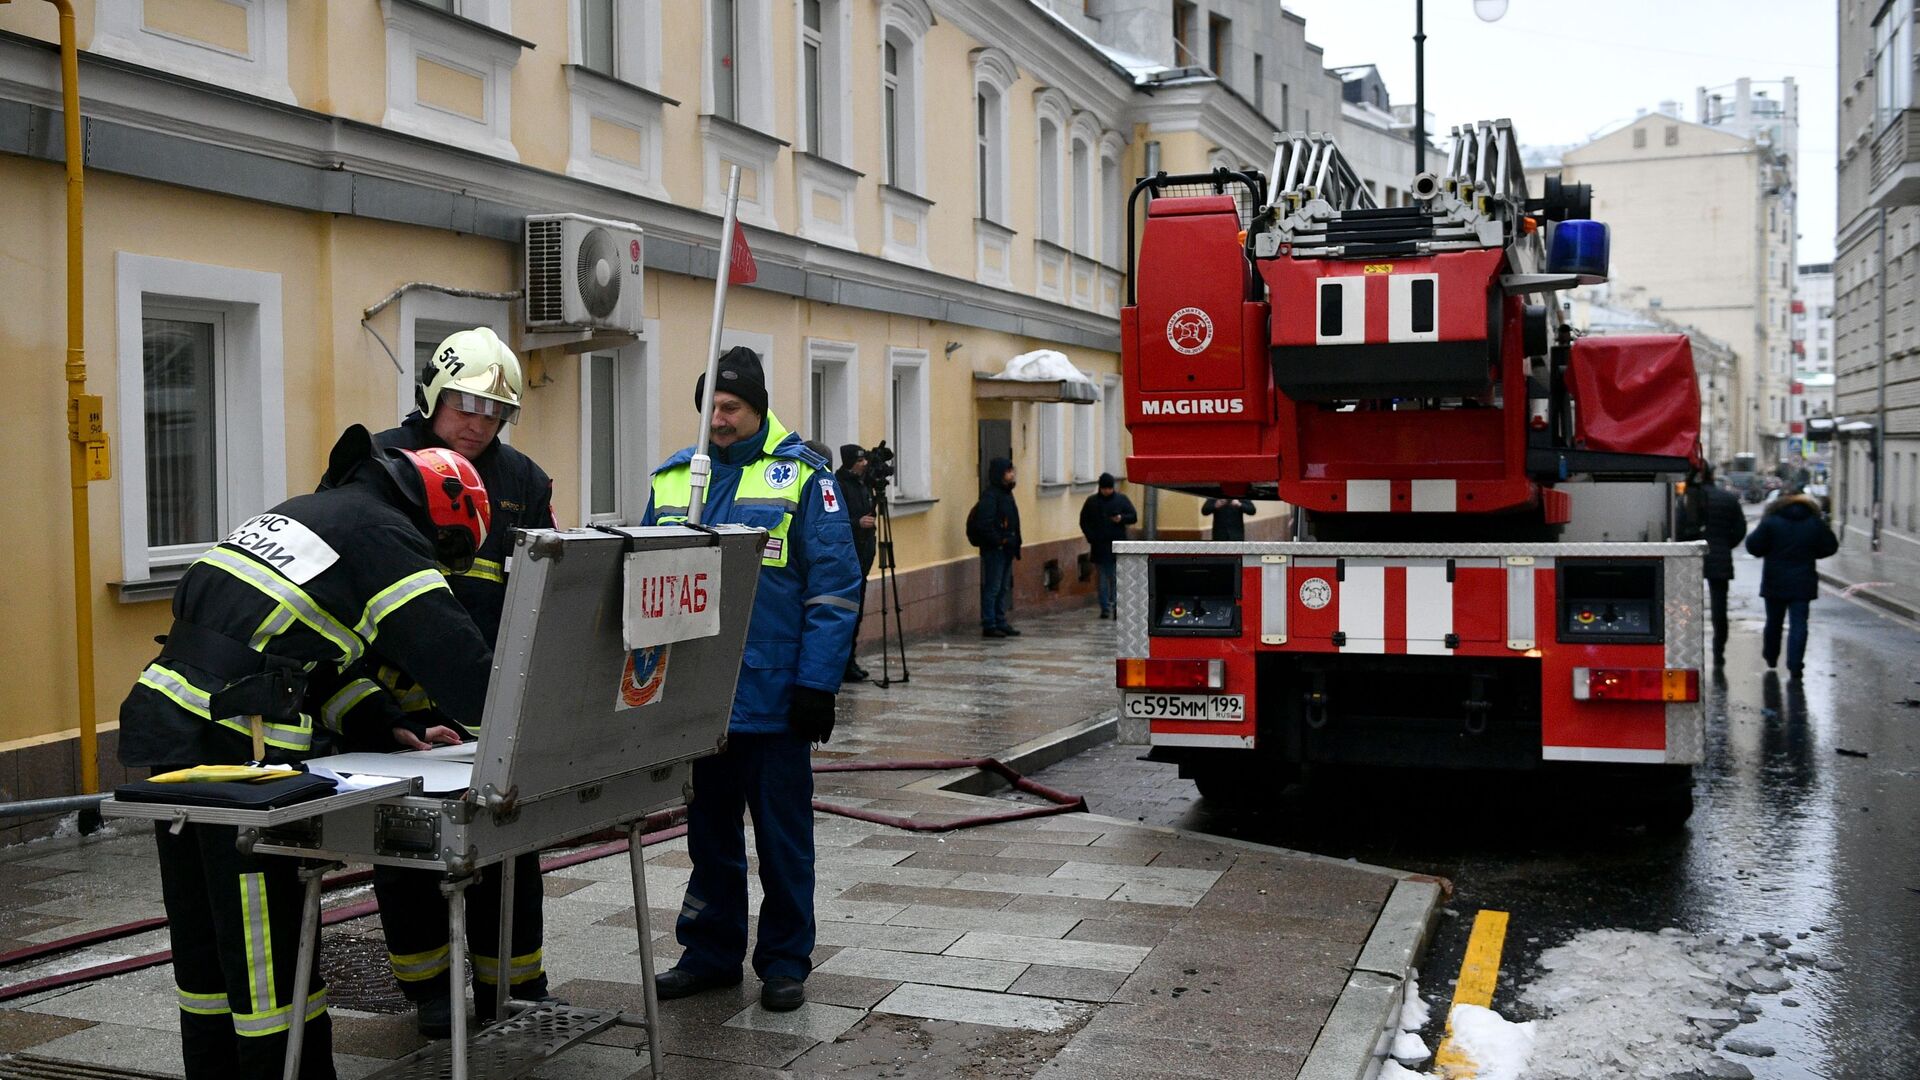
x=301, y=592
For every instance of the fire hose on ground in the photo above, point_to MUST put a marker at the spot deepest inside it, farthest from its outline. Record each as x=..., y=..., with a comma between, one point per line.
x=657, y=828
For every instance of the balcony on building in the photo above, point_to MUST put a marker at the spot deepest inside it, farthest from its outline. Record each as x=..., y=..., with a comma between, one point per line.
x=1895, y=179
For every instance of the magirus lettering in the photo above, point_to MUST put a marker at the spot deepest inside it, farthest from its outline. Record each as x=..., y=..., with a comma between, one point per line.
x=1193, y=407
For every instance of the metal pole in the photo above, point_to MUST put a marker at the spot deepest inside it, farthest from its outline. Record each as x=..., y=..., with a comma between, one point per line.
x=1419, y=87
x=702, y=465
x=303, y=966
x=637, y=865
x=505, y=954
x=456, y=890
x=1880, y=405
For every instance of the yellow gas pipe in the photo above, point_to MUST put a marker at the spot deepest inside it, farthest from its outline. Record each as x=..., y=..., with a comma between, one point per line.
x=86, y=437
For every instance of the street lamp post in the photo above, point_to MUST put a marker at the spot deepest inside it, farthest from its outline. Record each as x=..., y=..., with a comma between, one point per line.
x=1488, y=11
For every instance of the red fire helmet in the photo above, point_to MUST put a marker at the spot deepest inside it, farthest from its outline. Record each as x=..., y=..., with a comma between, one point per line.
x=448, y=488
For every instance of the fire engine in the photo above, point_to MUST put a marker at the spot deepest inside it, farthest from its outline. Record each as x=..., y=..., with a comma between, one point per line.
x=1480, y=570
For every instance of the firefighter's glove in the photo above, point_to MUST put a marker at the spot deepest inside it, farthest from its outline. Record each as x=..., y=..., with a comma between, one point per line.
x=811, y=715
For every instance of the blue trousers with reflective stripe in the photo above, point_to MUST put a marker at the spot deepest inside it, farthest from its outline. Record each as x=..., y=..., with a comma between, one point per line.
x=771, y=778
x=200, y=873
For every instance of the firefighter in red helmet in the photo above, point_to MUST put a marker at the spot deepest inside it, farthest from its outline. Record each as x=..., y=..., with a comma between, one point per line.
x=263, y=625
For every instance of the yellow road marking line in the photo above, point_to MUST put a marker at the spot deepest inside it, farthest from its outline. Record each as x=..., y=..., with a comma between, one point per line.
x=1479, y=970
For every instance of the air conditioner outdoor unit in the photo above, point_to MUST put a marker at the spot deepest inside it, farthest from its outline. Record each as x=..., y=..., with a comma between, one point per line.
x=584, y=274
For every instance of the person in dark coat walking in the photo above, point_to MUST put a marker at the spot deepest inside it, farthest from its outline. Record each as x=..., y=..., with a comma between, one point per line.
x=1104, y=518
x=1714, y=515
x=993, y=526
x=852, y=475
x=1229, y=517
x=1791, y=537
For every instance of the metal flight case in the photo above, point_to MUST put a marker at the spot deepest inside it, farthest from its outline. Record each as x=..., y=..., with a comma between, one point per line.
x=614, y=669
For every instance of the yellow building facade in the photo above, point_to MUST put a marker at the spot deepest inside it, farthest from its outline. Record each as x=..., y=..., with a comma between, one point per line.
x=289, y=200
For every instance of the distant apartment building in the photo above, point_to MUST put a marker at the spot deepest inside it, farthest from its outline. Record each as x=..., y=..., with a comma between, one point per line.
x=1703, y=232
x=1876, y=291
x=1813, y=359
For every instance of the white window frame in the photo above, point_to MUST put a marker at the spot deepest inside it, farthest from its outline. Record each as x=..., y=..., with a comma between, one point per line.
x=450, y=313
x=120, y=30
x=836, y=80
x=994, y=74
x=1083, y=183
x=1113, y=200
x=1113, y=422
x=1052, y=444
x=904, y=24
x=251, y=435
x=636, y=428
x=1049, y=165
x=415, y=34
x=629, y=98
x=1086, y=443
x=911, y=435
x=752, y=56
x=839, y=363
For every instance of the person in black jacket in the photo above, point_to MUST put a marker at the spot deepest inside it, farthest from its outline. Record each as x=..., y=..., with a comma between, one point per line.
x=993, y=526
x=1104, y=518
x=1229, y=517
x=1713, y=514
x=290, y=597
x=468, y=394
x=1791, y=537
x=852, y=475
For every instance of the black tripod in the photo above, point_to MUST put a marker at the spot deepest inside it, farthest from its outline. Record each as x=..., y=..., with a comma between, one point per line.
x=883, y=549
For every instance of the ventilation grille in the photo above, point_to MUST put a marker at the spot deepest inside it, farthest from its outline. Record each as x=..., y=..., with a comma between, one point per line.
x=546, y=287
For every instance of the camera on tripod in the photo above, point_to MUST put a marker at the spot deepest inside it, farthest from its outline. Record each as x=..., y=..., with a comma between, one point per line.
x=880, y=467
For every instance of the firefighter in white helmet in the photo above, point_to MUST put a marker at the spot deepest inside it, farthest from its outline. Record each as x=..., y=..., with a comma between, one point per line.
x=469, y=391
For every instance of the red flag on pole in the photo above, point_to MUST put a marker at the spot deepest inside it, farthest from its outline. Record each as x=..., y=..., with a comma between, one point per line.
x=742, y=271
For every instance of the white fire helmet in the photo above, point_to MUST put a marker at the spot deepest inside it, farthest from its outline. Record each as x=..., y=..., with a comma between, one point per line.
x=475, y=372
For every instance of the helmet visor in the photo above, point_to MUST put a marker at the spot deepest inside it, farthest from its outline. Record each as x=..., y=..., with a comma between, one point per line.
x=468, y=402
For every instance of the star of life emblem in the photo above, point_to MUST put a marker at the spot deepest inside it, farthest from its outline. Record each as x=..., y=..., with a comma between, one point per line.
x=1190, y=331
x=781, y=474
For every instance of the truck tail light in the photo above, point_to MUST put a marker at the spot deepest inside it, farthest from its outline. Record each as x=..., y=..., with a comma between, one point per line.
x=1636, y=684
x=1134, y=673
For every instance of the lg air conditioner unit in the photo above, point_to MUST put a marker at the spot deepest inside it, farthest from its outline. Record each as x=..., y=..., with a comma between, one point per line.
x=584, y=274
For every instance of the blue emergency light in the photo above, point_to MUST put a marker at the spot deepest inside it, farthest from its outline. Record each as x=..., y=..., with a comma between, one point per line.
x=1579, y=247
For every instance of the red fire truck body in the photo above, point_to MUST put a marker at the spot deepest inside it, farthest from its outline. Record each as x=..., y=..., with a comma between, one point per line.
x=1480, y=571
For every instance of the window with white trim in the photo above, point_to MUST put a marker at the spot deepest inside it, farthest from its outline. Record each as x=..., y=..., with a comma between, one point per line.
x=1086, y=443
x=824, y=92
x=1048, y=202
x=1083, y=213
x=1113, y=421
x=450, y=79
x=426, y=319
x=619, y=39
x=903, y=26
x=1053, y=443
x=1893, y=62
x=239, y=44
x=833, y=403
x=619, y=421
x=1112, y=203
x=201, y=409
x=993, y=78
x=722, y=37
x=615, y=108
x=909, y=422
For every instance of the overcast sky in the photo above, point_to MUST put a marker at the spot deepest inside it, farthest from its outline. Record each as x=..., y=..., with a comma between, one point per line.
x=1565, y=69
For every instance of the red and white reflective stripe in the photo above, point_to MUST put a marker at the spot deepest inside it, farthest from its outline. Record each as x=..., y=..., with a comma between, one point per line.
x=1393, y=606
x=1419, y=496
x=1436, y=496
x=1363, y=608
x=1233, y=742
x=1369, y=496
x=1429, y=602
x=1350, y=293
x=1400, y=325
x=1618, y=754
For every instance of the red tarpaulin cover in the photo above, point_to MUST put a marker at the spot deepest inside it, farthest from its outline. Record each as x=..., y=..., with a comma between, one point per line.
x=1636, y=394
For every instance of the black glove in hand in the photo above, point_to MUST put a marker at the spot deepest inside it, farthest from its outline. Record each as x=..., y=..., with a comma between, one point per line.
x=811, y=715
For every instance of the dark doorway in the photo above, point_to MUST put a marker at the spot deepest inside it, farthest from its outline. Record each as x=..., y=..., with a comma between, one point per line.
x=996, y=440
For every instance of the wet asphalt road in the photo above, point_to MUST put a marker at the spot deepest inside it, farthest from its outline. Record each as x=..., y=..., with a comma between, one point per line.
x=1788, y=834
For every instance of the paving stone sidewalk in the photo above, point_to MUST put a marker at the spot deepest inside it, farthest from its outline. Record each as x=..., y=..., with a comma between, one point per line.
x=1888, y=578
x=1060, y=947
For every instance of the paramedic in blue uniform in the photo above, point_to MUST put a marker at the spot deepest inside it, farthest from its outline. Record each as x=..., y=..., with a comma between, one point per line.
x=467, y=395
x=802, y=626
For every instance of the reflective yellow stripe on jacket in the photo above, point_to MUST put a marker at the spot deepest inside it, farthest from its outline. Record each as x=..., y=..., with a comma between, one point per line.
x=673, y=493
x=180, y=690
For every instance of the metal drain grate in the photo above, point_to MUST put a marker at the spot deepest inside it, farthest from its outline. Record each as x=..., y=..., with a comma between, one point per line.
x=509, y=1048
x=34, y=1067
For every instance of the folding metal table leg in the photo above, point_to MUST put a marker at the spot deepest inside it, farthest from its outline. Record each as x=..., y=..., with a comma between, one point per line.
x=303, y=966
x=504, y=977
x=637, y=863
x=456, y=890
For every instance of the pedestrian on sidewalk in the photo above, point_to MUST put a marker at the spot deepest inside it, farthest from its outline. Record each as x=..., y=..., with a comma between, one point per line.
x=1714, y=515
x=1791, y=537
x=852, y=475
x=993, y=526
x=1229, y=517
x=1104, y=518
x=797, y=643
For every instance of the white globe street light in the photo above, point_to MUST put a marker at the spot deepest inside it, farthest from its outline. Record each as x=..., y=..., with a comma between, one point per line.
x=1489, y=10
